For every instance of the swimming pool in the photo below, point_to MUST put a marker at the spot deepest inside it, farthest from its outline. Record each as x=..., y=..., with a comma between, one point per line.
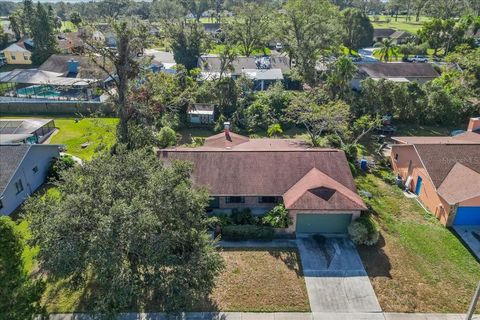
x=39, y=91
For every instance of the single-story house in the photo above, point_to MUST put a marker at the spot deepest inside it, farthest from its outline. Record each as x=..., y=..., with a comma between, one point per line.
x=394, y=71
x=262, y=70
x=25, y=130
x=382, y=33
x=75, y=66
x=444, y=172
x=23, y=169
x=201, y=114
x=161, y=61
x=17, y=54
x=315, y=185
x=400, y=37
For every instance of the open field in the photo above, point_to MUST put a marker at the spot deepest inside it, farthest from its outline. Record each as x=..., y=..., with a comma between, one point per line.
x=418, y=265
x=411, y=26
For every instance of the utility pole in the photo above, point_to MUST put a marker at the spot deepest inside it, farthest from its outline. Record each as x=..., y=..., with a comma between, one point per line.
x=473, y=305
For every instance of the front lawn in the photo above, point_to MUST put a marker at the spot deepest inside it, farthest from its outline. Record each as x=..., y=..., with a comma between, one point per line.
x=261, y=280
x=418, y=265
x=99, y=133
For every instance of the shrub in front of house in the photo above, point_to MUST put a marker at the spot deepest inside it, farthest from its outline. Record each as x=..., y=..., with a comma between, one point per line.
x=278, y=217
x=167, y=137
x=364, y=230
x=243, y=216
x=60, y=164
x=247, y=232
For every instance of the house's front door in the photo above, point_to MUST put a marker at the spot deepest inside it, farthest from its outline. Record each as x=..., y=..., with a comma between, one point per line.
x=418, y=187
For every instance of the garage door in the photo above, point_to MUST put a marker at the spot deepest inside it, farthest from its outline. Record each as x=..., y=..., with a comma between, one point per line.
x=323, y=223
x=467, y=216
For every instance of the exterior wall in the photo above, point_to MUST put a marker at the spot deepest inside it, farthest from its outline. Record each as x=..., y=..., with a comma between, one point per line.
x=15, y=57
x=428, y=193
x=38, y=156
x=250, y=202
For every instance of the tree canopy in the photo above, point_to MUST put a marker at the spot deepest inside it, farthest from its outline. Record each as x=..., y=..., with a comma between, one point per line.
x=132, y=228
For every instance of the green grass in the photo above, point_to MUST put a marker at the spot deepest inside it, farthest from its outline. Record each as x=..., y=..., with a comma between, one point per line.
x=417, y=260
x=99, y=132
x=68, y=25
x=408, y=129
x=411, y=26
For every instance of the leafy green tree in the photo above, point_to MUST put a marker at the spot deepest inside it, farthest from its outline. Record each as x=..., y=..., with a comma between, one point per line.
x=274, y=129
x=308, y=29
x=340, y=76
x=3, y=39
x=386, y=49
x=405, y=50
x=357, y=28
x=317, y=114
x=28, y=17
x=250, y=27
x=444, y=34
x=167, y=10
x=167, y=137
x=19, y=293
x=76, y=18
x=113, y=8
x=364, y=125
x=16, y=24
x=189, y=41
x=134, y=229
x=43, y=34
x=131, y=38
x=196, y=7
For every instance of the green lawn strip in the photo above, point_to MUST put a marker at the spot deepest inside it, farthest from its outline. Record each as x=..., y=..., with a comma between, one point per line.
x=98, y=132
x=68, y=26
x=411, y=26
x=409, y=129
x=430, y=249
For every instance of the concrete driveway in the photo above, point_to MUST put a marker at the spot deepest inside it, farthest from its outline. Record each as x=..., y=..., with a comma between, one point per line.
x=335, y=277
x=471, y=236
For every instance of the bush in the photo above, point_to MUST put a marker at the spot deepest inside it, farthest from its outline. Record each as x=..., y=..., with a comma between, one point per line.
x=278, y=217
x=221, y=220
x=59, y=165
x=364, y=231
x=333, y=141
x=167, y=137
x=247, y=232
x=351, y=152
x=242, y=216
x=274, y=129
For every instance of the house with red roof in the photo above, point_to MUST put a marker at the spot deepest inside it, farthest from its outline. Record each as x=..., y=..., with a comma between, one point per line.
x=444, y=172
x=315, y=185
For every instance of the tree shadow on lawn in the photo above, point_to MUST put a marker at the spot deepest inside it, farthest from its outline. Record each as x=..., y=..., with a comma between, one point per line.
x=290, y=257
x=375, y=260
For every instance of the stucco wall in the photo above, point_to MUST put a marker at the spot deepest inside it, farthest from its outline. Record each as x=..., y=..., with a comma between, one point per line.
x=474, y=202
x=19, y=57
x=38, y=156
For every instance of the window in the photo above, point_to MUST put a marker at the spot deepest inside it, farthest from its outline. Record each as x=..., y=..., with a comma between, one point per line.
x=26, y=57
x=396, y=156
x=235, y=199
x=14, y=57
x=267, y=199
x=214, y=203
x=1, y=204
x=35, y=169
x=19, y=186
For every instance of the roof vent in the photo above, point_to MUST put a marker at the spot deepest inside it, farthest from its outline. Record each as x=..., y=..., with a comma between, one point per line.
x=323, y=192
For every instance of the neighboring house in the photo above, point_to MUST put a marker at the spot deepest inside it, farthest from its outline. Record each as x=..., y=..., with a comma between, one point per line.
x=444, y=172
x=23, y=169
x=315, y=185
x=394, y=71
x=75, y=66
x=201, y=114
x=263, y=71
x=400, y=37
x=16, y=54
x=382, y=33
x=162, y=61
x=70, y=42
x=212, y=28
x=25, y=130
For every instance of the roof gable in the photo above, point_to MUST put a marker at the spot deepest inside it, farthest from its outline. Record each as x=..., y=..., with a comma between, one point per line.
x=12, y=157
x=461, y=183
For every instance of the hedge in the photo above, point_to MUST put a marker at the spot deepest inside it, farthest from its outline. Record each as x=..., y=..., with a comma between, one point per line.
x=247, y=232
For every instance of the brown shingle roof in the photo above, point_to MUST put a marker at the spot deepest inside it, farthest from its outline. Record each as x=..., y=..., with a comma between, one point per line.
x=464, y=138
x=222, y=140
x=439, y=159
x=461, y=183
x=267, y=172
x=317, y=190
x=398, y=70
x=383, y=32
x=87, y=68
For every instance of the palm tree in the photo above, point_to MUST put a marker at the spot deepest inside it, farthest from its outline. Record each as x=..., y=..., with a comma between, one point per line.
x=386, y=49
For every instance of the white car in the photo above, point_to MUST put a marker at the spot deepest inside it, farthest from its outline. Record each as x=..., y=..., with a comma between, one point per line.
x=418, y=58
x=279, y=46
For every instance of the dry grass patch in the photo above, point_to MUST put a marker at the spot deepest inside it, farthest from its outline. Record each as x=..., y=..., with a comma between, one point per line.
x=261, y=280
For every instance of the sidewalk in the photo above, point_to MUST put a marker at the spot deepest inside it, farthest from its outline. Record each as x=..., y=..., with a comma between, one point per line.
x=274, y=316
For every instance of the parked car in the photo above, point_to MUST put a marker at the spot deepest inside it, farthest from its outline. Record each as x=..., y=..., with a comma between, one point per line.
x=419, y=58
x=279, y=46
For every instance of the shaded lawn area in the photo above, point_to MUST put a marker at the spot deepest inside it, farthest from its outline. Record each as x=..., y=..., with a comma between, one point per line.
x=418, y=265
x=253, y=280
x=99, y=132
x=411, y=26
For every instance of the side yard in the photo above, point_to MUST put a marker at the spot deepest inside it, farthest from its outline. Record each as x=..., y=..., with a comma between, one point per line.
x=418, y=265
